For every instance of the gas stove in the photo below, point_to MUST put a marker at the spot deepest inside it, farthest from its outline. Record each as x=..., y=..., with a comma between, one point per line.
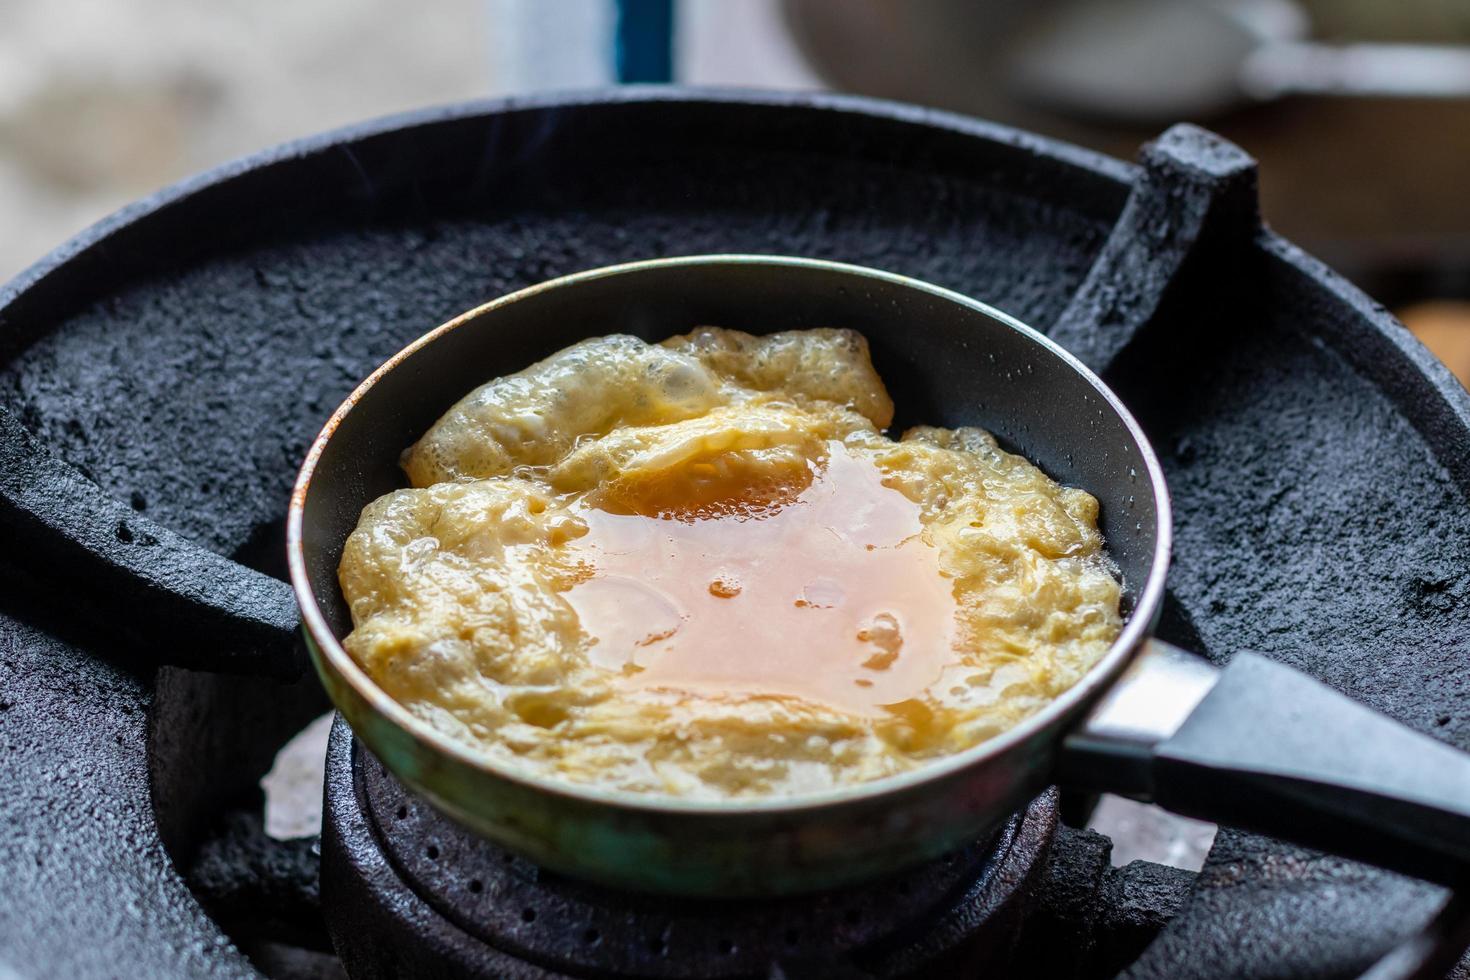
x=161, y=375
x=410, y=892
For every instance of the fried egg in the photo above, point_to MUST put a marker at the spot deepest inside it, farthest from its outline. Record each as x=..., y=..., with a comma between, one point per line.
x=701, y=569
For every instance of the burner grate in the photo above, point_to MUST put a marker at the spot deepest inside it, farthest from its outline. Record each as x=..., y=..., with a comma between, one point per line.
x=386, y=849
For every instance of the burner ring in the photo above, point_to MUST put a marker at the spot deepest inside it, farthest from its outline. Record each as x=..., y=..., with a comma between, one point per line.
x=498, y=905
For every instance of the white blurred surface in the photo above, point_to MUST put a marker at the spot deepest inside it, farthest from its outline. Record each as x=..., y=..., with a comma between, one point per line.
x=1141, y=832
x=294, y=786
x=742, y=43
x=538, y=45
x=103, y=101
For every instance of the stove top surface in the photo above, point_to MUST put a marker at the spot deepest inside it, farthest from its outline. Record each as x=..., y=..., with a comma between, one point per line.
x=170, y=366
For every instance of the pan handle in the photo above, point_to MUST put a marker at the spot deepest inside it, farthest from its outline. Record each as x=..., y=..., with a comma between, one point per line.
x=1264, y=747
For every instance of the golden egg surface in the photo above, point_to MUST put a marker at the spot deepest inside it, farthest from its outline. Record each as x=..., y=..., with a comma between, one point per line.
x=701, y=569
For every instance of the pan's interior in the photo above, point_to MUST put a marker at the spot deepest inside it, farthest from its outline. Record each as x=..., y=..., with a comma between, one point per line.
x=945, y=362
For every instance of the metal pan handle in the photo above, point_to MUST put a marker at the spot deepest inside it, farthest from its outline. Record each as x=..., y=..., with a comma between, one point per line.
x=1261, y=746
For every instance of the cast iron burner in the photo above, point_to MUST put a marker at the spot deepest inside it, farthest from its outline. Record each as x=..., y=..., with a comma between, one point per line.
x=408, y=892
x=162, y=374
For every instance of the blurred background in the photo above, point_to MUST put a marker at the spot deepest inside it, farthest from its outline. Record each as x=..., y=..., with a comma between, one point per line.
x=1358, y=110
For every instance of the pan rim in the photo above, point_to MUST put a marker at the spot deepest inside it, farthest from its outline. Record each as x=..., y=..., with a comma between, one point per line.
x=1091, y=685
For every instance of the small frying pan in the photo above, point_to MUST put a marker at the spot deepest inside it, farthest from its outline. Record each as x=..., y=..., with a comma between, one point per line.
x=1256, y=744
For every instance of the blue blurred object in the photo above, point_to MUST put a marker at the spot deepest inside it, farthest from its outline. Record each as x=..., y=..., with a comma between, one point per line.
x=644, y=41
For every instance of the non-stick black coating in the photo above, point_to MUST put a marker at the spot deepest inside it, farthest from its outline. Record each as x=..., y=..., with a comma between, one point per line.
x=945, y=363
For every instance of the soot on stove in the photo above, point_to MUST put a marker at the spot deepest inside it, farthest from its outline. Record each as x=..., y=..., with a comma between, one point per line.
x=160, y=376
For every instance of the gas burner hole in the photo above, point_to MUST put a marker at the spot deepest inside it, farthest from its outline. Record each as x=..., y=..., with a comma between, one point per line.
x=476, y=885
x=591, y=937
x=852, y=916
x=905, y=889
x=528, y=916
x=432, y=852
x=726, y=947
x=124, y=533
x=403, y=813
x=792, y=937
x=657, y=946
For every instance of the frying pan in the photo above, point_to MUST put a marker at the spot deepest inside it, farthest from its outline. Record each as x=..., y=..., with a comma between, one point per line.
x=1255, y=744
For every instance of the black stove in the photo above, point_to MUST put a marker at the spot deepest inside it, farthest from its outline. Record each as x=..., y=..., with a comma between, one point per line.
x=408, y=891
x=160, y=377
